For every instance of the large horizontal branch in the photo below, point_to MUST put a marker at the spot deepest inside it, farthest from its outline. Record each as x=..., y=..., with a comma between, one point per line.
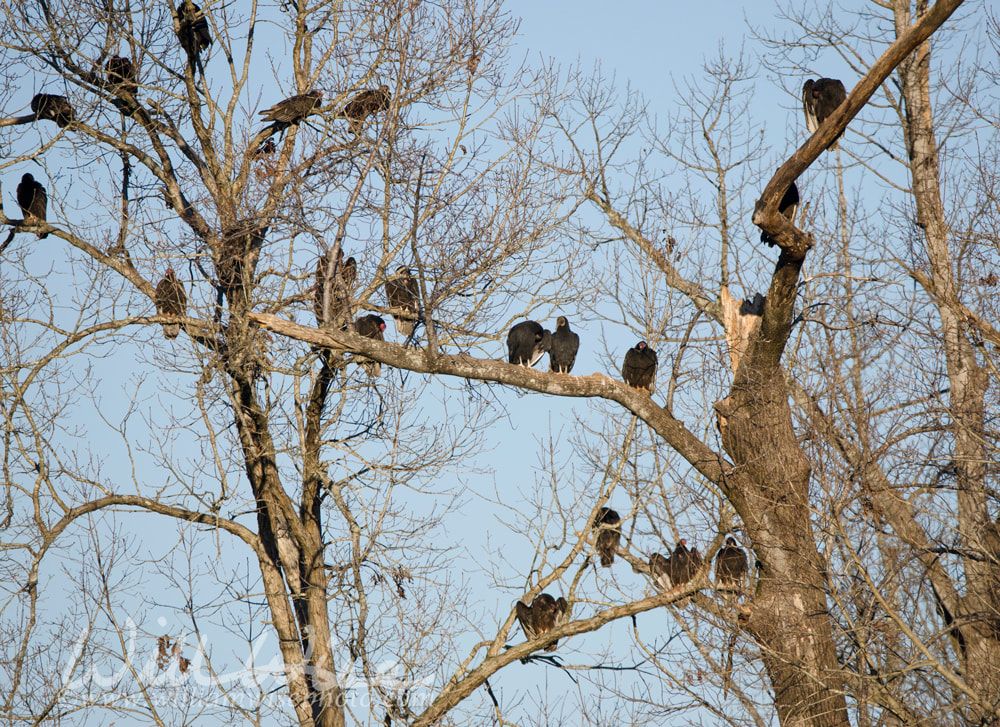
x=793, y=241
x=454, y=693
x=708, y=462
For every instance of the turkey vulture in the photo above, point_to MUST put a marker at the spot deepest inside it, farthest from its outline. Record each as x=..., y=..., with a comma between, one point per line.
x=609, y=535
x=193, y=31
x=53, y=108
x=402, y=292
x=639, y=368
x=33, y=201
x=730, y=565
x=789, y=203
x=367, y=102
x=565, y=344
x=684, y=563
x=370, y=326
x=348, y=271
x=659, y=568
x=293, y=110
x=821, y=98
x=120, y=74
x=527, y=342
x=543, y=615
x=171, y=300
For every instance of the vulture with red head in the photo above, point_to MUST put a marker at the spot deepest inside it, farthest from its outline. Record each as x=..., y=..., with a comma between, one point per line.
x=730, y=565
x=171, y=300
x=639, y=368
x=33, y=201
x=527, y=342
x=543, y=615
x=684, y=563
x=565, y=344
x=820, y=98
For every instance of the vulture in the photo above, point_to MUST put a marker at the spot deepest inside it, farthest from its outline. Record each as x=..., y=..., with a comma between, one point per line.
x=120, y=73
x=639, y=367
x=659, y=568
x=565, y=344
x=787, y=207
x=53, y=108
x=527, y=342
x=33, y=201
x=543, y=615
x=730, y=565
x=403, y=295
x=293, y=110
x=171, y=300
x=609, y=535
x=364, y=104
x=820, y=98
x=193, y=31
x=371, y=326
x=348, y=270
x=684, y=563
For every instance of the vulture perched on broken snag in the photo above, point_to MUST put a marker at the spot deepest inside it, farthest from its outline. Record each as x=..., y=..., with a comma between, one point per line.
x=403, y=295
x=730, y=565
x=565, y=344
x=33, y=201
x=639, y=368
x=543, y=615
x=820, y=98
x=53, y=108
x=527, y=342
x=171, y=300
x=193, y=31
x=371, y=326
x=609, y=535
x=787, y=207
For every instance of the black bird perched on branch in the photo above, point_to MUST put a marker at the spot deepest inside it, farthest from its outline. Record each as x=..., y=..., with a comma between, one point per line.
x=659, y=568
x=730, y=565
x=371, y=326
x=33, y=201
x=121, y=74
x=820, y=98
x=787, y=207
x=293, y=110
x=543, y=615
x=348, y=272
x=53, y=108
x=171, y=300
x=364, y=104
x=565, y=344
x=684, y=563
x=639, y=368
x=527, y=342
x=609, y=534
x=193, y=31
x=403, y=295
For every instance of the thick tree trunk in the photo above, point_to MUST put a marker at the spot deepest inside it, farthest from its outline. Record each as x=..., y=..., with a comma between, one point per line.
x=976, y=612
x=790, y=620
